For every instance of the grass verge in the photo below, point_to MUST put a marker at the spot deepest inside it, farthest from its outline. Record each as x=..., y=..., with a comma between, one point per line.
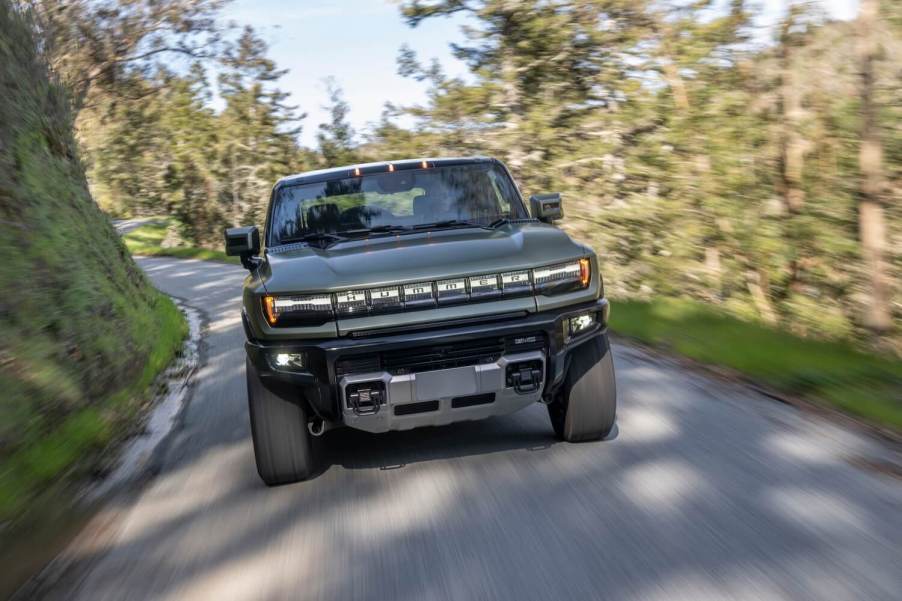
x=147, y=240
x=72, y=447
x=830, y=373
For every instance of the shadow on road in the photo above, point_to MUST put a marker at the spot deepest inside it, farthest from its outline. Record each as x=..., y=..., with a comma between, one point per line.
x=354, y=449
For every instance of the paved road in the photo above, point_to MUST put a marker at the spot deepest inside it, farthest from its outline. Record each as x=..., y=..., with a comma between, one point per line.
x=124, y=226
x=706, y=491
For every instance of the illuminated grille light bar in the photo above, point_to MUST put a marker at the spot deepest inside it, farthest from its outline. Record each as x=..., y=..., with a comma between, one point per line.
x=547, y=277
x=385, y=299
x=451, y=291
x=318, y=308
x=419, y=295
x=310, y=307
x=484, y=286
x=351, y=302
x=516, y=282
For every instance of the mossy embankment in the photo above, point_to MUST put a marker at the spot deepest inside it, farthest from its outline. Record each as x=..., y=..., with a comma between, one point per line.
x=82, y=331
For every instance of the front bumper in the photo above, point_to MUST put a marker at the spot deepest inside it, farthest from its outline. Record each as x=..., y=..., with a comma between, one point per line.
x=325, y=376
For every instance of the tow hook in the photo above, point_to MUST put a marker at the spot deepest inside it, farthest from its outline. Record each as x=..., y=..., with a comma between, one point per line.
x=525, y=376
x=317, y=427
x=366, y=398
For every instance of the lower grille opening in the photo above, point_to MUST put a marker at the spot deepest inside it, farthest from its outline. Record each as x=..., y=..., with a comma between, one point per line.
x=412, y=408
x=472, y=400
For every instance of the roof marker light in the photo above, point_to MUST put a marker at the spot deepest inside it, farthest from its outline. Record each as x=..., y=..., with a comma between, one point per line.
x=425, y=165
x=391, y=167
x=356, y=171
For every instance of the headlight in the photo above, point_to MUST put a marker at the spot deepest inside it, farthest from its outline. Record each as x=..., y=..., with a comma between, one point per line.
x=288, y=310
x=574, y=326
x=282, y=360
x=563, y=276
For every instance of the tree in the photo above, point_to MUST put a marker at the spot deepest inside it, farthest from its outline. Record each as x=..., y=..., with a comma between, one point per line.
x=872, y=228
x=336, y=138
x=258, y=142
x=93, y=45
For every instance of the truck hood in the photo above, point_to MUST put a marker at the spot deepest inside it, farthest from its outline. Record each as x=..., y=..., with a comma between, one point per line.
x=414, y=257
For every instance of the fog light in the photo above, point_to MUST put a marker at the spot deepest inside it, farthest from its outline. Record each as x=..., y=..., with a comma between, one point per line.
x=578, y=324
x=284, y=360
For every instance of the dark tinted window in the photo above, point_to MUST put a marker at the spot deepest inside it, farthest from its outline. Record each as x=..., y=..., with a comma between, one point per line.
x=480, y=193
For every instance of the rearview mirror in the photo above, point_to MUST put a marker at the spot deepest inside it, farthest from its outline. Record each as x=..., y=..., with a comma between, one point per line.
x=546, y=207
x=243, y=242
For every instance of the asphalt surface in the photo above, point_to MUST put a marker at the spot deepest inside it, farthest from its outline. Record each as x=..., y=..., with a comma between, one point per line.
x=705, y=491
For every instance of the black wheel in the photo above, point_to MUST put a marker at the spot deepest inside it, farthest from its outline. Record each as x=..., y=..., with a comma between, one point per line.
x=282, y=444
x=586, y=404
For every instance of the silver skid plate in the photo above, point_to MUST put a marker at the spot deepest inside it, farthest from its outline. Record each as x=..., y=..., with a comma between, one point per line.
x=443, y=386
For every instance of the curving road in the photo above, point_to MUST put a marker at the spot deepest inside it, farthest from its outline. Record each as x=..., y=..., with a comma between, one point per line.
x=706, y=491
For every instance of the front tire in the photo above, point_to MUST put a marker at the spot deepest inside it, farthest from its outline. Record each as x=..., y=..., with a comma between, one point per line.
x=282, y=444
x=586, y=405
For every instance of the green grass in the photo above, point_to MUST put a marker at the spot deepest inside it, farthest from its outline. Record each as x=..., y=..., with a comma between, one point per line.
x=82, y=331
x=147, y=241
x=831, y=373
x=70, y=447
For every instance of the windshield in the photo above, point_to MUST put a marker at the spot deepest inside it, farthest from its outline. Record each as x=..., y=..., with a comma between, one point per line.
x=480, y=193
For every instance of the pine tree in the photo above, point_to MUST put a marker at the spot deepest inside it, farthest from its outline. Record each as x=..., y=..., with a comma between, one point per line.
x=336, y=138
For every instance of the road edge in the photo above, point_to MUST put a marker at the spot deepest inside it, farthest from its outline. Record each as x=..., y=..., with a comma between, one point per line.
x=102, y=504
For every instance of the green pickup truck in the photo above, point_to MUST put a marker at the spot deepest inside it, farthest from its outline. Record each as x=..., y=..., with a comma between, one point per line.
x=395, y=295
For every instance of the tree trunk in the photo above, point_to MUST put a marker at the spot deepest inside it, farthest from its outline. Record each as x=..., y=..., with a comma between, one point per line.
x=793, y=147
x=758, y=285
x=872, y=230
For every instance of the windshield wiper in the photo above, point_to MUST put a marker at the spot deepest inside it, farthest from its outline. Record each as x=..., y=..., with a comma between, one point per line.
x=324, y=238
x=448, y=223
x=378, y=229
x=499, y=222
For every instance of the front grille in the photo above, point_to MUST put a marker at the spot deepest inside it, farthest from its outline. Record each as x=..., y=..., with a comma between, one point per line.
x=357, y=365
x=440, y=356
x=443, y=356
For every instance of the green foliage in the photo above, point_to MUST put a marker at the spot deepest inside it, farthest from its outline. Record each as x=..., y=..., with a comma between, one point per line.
x=75, y=354
x=163, y=150
x=150, y=240
x=697, y=163
x=336, y=138
x=827, y=372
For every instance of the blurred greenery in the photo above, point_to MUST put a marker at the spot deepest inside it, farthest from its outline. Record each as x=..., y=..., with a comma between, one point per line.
x=827, y=372
x=76, y=357
x=153, y=240
x=742, y=182
x=707, y=157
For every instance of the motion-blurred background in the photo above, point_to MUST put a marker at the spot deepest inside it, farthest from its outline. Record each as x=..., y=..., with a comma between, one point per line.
x=742, y=154
x=737, y=165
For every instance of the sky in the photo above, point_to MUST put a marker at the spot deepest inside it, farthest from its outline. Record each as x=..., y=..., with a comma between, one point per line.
x=357, y=41
x=354, y=41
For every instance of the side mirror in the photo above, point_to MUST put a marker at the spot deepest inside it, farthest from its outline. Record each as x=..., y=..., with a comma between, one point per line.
x=546, y=207
x=243, y=242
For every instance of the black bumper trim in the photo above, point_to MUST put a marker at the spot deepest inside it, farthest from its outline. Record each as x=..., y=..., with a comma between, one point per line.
x=320, y=378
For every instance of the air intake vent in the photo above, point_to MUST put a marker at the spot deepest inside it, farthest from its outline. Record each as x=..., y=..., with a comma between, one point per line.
x=472, y=400
x=413, y=408
x=357, y=365
x=444, y=356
